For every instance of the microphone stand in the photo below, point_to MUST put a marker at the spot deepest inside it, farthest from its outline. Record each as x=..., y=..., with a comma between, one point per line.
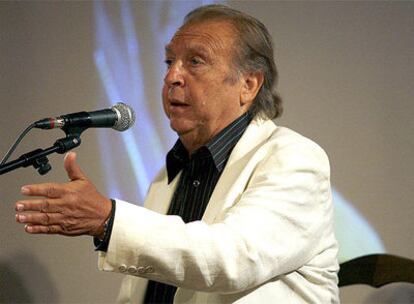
x=38, y=158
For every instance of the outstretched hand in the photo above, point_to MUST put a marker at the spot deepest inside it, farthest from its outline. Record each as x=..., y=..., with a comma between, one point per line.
x=72, y=208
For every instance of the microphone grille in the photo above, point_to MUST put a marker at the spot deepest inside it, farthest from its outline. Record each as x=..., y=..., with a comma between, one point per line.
x=126, y=116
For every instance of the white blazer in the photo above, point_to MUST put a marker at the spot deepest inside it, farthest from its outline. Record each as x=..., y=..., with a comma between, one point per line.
x=265, y=237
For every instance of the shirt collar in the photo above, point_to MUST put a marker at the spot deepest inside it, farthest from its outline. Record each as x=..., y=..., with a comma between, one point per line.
x=218, y=148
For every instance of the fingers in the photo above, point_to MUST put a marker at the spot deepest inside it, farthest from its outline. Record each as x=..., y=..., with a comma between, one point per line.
x=72, y=167
x=39, y=229
x=47, y=223
x=50, y=190
x=72, y=208
x=40, y=218
x=42, y=205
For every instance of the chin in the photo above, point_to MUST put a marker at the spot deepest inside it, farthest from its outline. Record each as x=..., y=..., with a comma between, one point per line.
x=181, y=128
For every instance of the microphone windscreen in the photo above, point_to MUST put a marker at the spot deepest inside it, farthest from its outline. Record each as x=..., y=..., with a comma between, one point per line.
x=126, y=116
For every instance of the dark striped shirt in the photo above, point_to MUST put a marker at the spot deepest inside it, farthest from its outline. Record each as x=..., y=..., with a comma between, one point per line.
x=200, y=173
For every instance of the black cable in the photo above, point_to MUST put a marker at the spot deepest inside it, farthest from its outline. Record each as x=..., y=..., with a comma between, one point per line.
x=18, y=140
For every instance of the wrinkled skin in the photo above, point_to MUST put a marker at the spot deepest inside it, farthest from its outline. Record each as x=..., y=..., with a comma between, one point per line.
x=73, y=208
x=202, y=94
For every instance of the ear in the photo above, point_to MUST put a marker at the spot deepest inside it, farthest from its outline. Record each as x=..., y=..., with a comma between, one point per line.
x=252, y=82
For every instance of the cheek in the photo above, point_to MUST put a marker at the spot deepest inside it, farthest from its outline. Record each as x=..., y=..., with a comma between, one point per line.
x=210, y=97
x=164, y=96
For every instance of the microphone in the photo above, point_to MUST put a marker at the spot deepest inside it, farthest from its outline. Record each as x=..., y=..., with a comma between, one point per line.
x=119, y=117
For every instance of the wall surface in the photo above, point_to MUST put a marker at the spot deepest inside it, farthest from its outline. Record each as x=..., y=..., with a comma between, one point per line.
x=346, y=74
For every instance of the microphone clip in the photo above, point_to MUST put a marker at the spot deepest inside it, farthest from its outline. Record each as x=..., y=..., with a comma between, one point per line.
x=73, y=132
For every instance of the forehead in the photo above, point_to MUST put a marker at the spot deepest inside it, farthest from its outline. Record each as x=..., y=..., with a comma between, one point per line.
x=211, y=36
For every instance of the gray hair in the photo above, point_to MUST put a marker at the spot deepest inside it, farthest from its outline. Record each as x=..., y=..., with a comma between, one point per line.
x=253, y=54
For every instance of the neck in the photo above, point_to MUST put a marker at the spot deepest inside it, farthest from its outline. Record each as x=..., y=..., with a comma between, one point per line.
x=191, y=144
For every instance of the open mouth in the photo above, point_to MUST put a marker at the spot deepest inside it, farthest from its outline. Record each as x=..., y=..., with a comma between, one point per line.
x=178, y=104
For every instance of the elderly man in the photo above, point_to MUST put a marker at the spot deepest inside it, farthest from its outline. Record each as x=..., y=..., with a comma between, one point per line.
x=241, y=213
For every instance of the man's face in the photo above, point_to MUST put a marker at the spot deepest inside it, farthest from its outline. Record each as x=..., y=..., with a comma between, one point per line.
x=201, y=93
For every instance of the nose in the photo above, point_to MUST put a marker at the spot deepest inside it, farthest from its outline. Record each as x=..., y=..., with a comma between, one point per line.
x=174, y=76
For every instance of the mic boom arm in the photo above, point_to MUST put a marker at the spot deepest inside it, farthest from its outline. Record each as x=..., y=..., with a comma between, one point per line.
x=38, y=158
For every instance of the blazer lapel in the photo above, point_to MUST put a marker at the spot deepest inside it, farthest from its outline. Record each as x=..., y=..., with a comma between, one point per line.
x=238, y=169
x=231, y=183
x=160, y=194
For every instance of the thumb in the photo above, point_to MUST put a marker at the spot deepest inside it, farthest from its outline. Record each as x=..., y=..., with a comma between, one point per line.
x=72, y=168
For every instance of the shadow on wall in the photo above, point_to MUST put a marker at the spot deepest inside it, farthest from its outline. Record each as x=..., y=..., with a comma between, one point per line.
x=24, y=280
x=398, y=293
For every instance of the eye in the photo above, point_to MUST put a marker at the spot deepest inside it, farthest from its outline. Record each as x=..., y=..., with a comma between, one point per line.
x=168, y=62
x=196, y=61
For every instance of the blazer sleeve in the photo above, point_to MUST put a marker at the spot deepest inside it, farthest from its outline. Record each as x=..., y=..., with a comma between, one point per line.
x=280, y=222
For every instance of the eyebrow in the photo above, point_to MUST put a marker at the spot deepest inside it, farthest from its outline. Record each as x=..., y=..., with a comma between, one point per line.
x=194, y=47
x=168, y=49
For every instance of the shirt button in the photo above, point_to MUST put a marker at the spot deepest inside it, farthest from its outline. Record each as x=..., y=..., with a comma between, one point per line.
x=196, y=183
x=149, y=269
x=141, y=269
x=122, y=268
x=132, y=269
